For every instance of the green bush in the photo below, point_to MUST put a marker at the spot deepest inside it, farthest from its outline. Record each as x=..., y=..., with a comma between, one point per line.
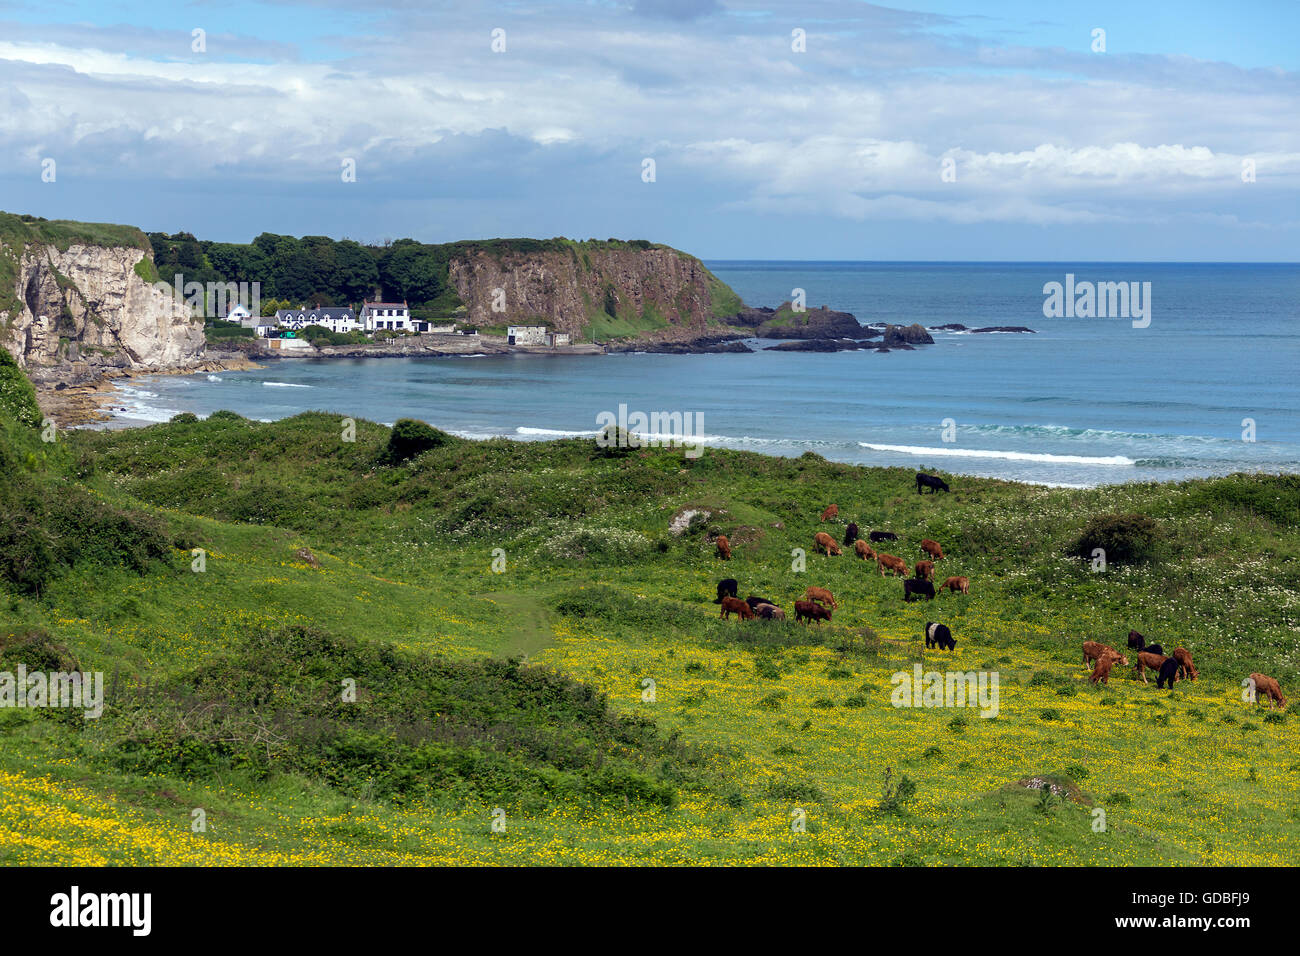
x=410, y=438
x=1125, y=538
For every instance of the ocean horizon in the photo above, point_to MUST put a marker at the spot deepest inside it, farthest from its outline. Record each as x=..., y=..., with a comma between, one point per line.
x=1205, y=388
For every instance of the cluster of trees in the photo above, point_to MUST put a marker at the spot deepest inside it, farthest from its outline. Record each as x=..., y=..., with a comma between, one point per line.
x=315, y=270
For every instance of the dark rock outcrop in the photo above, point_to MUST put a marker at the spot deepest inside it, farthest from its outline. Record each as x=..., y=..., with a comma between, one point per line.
x=784, y=323
x=914, y=334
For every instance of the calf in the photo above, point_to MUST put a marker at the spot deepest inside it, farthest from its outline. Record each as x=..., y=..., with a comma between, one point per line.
x=1168, y=673
x=932, y=549
x=732, y=605
x=1154, y=649
x=727, y=587
x=1136, y=640
x=954, y=585
x=938, y=635
x=724, y=548
x=1094, y=651
x=770, y=612
x=754, y=602
x=824, y=542
x=1268, y=687
x=822, y=595
x=830, y=512
x=810, y=611
x=932, y=482
x=1101, y=672
x=878, y=536
x=897, y=565
x=850, y=534
x=924, y=569
x=1146, y=659
x=914, y=586
x=863, y=550
x=1185, y=664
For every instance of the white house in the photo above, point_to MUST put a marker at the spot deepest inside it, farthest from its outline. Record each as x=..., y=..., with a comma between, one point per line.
x=389, y=315
x=526, y=334
x=241, y=315
x=336, y=319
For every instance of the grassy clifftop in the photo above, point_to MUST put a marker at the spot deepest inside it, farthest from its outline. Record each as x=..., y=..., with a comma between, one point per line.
x=651, y=731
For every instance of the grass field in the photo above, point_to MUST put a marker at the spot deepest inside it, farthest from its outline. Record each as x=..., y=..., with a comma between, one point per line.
x=556, y=561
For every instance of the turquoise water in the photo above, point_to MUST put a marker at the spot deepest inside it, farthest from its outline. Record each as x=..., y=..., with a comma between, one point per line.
x=1084, y=401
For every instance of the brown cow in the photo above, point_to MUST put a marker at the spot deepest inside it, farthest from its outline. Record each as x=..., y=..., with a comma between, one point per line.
x=932, y=549
x=824, y=542
x=811, y=611
x=821, y=595
x=1146, y=659
x=1093, y=651
x=1185, y=665
x=924, y=569
x=724, y=548
x=1101, y=672
x=897, y=565
x=830, y=512
x=736, y=605
x=863, y=550
x=770, y=612
x=954, y=585
x=1268, y=687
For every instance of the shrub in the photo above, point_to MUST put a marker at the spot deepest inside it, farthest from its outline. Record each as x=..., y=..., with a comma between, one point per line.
x=594, y=544
x=1124, y=538
x=410, y=438
x=184, y=418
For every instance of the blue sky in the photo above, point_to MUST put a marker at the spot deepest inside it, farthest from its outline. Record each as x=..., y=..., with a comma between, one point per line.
x=1054, y=150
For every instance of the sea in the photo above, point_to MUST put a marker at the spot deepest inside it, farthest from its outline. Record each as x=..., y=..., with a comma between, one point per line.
x=1205, y=383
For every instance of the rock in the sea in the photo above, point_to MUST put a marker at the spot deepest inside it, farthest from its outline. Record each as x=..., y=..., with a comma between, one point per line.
x=816, y=345
x=1004, y=328
x=785, y=323
x=914, y=334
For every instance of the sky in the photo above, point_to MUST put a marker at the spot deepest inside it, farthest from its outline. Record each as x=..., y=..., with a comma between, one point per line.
x=773, y=129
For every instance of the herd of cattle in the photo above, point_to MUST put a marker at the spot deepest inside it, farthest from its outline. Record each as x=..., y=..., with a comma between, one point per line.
x=818, y=604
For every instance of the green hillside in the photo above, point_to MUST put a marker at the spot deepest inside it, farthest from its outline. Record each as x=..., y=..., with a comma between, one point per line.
x=170, y=558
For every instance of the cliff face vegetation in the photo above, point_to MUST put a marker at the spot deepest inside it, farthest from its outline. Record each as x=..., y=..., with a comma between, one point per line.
x=77, y=299
x=599, y=290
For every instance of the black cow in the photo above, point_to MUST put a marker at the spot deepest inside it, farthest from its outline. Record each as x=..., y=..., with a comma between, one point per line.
x=1136, y=640
x=883, y=536
x=938, y=635
x=915, y=586
x=754, y=602
x=1168, y=673
x=727, y=587
x=1154, y=649
x=932, y=482
x=850, y=535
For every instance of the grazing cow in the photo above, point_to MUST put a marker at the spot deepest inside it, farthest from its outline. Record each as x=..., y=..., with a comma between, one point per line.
x=1101, y=672
x=770, y=612
x=810, y=611
x=1136, y=640
x=1168, y=673
x=1146, y=659
x=850, y=534
x=915, y=586
x=879, y=536
x=821, y=595
x=732, y=605
x=724, y=548
x=1268, y=687
x=863, y=550
x=924, y=569
x=897, y=565
x=1185, y=664
x=727, y=587
x=754, y=601
x=932, y=482
x=824, y=542
x=830, y=512
x=938, y=635
x=1094, y=651
x=954, y=585
x=1155, y=649
x=932, y=549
